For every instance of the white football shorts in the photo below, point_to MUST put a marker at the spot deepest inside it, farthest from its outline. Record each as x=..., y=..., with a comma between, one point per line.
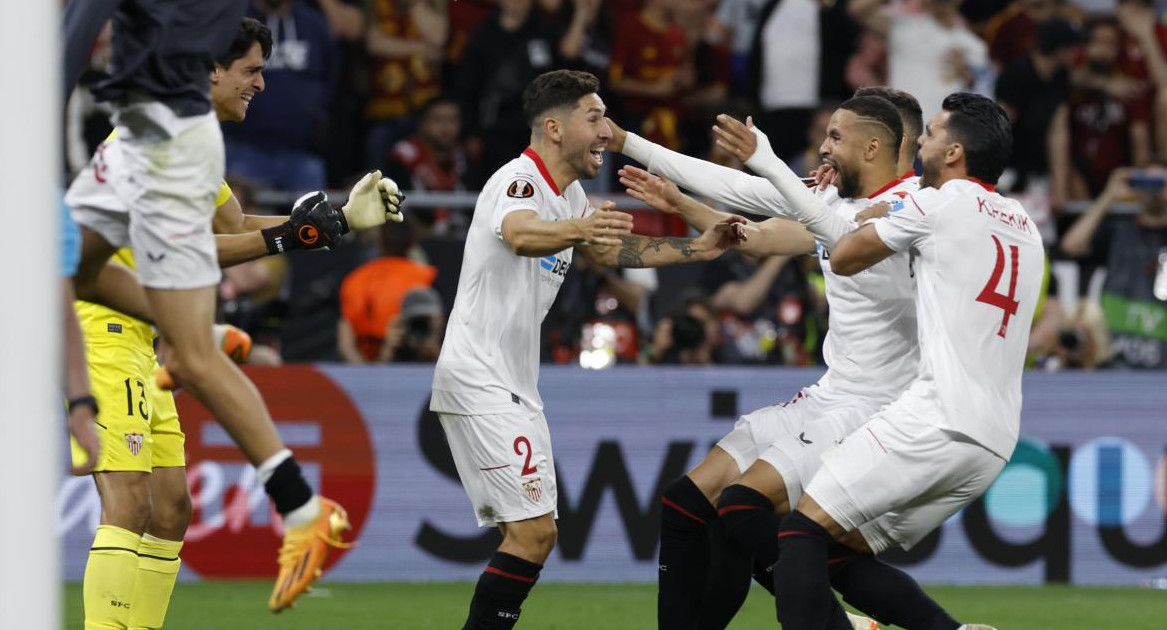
x=899, y=476
x=791, y=436
x=505, y=463
x=153, y=189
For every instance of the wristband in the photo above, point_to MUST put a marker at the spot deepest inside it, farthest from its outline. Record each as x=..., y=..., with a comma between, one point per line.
x=82, y=401
x=278, y=239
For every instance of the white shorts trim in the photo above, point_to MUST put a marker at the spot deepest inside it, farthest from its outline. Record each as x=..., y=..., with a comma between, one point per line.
x=505, y=464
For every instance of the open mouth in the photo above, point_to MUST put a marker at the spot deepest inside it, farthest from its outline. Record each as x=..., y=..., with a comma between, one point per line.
x=246, y=99
x=597, y=156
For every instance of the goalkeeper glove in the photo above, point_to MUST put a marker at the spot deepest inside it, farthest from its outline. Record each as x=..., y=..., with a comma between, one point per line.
x=373, y=201
x=313, y=224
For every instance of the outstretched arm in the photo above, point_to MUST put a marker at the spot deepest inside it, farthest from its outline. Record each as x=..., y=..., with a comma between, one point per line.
x=313, y=223
x=638, y=251
x=724, y=185
x=768, y=238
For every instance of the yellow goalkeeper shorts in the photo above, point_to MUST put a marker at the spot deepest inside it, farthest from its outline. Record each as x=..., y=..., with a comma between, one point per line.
x=138, y=423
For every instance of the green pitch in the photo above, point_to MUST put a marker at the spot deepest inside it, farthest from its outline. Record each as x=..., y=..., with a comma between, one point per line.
x=398, y=606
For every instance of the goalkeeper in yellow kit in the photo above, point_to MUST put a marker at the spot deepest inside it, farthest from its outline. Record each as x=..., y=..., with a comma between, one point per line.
x=140, y=475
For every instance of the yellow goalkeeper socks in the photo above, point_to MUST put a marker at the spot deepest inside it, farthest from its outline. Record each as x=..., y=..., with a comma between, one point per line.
x=110, y=578
x=158, y=565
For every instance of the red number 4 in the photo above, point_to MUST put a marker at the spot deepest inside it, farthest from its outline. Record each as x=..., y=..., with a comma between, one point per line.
x=527, y=467
x=989, y=294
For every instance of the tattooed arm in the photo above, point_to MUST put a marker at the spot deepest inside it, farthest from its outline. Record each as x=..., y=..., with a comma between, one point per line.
x=637, y=251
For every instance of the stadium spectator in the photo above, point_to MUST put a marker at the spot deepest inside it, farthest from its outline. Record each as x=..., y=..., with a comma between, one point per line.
x=405, y=44
x=734, y=23
x=1013, y=33
x=415, y=334
x=433, y=159
x=1034, y=90
x=464, y=17
x=1142, y=25
x=1109, y=110
x=757, y=299
x=816, y=38
x=710, y=62
x=688, y=336
x=371, y=296
x=586, y=41
x=649, y=72
x=346, y=18
x=1134, y=248
x=281, y=143
x=930, y=54
x=504, y=54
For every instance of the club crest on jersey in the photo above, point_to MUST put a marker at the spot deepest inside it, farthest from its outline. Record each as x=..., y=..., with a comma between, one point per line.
x=520, y=189
x=897, y=205
x=533, y=488
x=134, y=442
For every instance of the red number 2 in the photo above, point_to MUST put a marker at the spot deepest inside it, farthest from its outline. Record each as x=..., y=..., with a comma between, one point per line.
x=527, y=467
x=989, y=294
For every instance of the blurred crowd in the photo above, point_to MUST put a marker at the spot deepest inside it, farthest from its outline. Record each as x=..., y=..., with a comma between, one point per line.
x=428, y=91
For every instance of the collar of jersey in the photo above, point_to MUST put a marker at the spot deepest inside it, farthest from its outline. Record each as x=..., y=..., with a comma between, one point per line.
x=988, y=187
x=892, y=184
x=534, y=157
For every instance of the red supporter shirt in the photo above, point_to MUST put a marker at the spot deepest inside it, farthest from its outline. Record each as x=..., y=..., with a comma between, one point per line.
x=646, y=53
x=399, y=86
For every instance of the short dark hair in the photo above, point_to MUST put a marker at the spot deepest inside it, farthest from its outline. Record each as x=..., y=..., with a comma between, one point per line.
x=883, y=114
x=982, y=127
x=251, y=32
x=558, y=88
x=909, y=108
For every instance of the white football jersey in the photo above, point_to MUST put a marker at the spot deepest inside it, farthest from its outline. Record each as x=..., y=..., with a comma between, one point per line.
x=979, y=266
x=490, y=358
x=870, y=348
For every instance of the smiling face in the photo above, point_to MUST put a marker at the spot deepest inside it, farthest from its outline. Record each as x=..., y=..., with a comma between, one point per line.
x=844, y=148
x=233, y=88
x=584, y=136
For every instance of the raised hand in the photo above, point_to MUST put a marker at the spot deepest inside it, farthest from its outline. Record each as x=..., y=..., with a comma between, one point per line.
x=606, y=225
x=373, y=201
x=735, y=137
x=658, y=192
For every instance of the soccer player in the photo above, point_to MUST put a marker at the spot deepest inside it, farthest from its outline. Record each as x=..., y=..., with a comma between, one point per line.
x=530, y=215
x=979, y=263
x=755, y=474
x=103, y=196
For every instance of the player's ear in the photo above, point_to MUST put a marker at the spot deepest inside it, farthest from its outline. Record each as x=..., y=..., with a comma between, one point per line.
x=552, y=128
x=216, y=74
x=954, y=154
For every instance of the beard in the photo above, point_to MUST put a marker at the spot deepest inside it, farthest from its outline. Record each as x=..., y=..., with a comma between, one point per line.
x=848, y=184
x=929, y=175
